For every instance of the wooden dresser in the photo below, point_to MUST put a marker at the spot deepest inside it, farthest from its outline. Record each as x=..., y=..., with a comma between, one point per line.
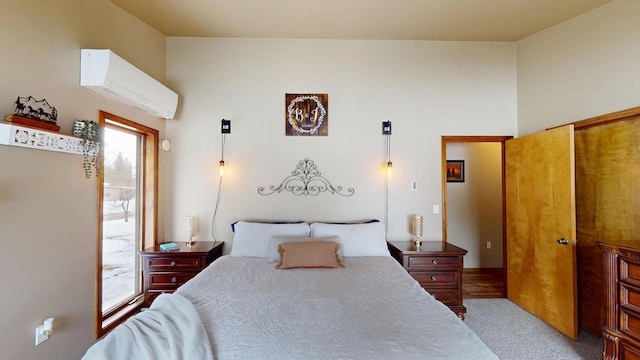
x=621, y=329
x=164, y=272
x=437, y=266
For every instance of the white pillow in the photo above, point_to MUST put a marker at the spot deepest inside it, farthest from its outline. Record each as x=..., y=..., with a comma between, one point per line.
x=274, y=254
x=251, y=239
x=366, y=239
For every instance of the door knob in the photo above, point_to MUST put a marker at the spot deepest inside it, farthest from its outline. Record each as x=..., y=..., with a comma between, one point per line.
x=563, y=241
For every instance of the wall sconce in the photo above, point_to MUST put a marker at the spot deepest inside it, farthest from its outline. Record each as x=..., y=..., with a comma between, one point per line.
x=386, y=130
x=192, y=229
x=225, y=128
x=221, y=168
x=416, y=229
x=43, y=331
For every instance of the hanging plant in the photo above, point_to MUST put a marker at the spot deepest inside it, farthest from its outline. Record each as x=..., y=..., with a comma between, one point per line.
x=91, y=133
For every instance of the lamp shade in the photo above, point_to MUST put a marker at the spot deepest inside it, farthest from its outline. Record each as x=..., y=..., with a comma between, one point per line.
x=416, y=226
x=191, y=226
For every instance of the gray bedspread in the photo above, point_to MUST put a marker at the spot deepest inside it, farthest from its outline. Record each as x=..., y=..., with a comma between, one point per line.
x=371, y=309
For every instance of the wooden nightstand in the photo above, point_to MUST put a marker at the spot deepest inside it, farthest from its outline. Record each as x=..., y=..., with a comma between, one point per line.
x=164, y=272
x=437, y=266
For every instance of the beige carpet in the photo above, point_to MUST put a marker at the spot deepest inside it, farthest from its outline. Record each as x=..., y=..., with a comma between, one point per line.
x=512, y=333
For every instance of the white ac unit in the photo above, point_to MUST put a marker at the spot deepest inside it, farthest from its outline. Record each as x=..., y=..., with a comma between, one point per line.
x=103, y=71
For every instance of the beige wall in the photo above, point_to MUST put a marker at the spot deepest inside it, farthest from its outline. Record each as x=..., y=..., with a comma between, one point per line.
x=584, y=67
x=474, y=208
x=427, y=89
x=47, y=207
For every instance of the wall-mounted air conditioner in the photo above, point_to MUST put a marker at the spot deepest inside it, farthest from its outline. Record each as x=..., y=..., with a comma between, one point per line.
x=105, y=72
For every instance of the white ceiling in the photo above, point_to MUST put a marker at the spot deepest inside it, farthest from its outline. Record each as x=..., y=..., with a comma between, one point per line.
x=465, y=20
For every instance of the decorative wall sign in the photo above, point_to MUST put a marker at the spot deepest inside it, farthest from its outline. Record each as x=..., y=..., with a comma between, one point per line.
x=307, y=114
x=455, y=170
x=36, y=109
x=38, y=139
x=306, y=180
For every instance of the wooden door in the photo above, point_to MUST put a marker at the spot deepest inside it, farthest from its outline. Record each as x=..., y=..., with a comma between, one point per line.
x=607, y=201
x=540, y=210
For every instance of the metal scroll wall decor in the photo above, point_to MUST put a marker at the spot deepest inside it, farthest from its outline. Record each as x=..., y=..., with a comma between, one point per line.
x=306, y=179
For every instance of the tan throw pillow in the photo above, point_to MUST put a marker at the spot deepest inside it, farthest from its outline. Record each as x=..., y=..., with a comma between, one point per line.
x=309, y=254
x=275, y=241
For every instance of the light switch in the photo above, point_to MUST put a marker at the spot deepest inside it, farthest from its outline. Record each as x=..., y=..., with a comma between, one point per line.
x=414, y=185
x=436, y=209
x=40, y=335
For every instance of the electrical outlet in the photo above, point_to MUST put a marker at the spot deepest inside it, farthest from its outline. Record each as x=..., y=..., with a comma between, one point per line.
x=414, y=185
x=436, y=209
x=40, y=336
x=488, y=245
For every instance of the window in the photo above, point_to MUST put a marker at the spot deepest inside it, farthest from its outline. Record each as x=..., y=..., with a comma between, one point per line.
x=127, y=210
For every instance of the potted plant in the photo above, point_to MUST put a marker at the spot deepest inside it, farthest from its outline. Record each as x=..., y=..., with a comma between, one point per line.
x=91, y=133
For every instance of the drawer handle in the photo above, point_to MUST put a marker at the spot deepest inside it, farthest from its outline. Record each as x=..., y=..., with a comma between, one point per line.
x=433, y=278
x=174, y=279
x=173, y=263
x=434, y=262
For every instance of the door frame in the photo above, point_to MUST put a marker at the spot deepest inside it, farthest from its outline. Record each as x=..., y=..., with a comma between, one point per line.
x=472, y=139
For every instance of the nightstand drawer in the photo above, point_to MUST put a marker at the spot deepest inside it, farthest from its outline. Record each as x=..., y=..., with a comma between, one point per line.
x=153, y=294
x=629, y=295
x=629, y=323
x=432, y=262
x=168, y=280
x=446, y=296
x=173, y=263
x=628, y=352
x=436, y=279
x=629, y=270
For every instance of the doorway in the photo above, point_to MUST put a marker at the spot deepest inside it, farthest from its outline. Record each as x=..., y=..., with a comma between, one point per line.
x=465, y=202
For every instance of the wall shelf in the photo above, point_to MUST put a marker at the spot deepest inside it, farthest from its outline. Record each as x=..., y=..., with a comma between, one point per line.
x=23, y=136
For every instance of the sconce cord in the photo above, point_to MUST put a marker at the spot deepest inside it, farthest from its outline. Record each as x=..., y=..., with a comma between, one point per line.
x=215, y=212
x=215, y=209
x=388, y=148
x=222, y=150
x=386, y=188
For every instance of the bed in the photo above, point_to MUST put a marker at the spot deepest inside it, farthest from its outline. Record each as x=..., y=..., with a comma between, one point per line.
x=243, y=307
